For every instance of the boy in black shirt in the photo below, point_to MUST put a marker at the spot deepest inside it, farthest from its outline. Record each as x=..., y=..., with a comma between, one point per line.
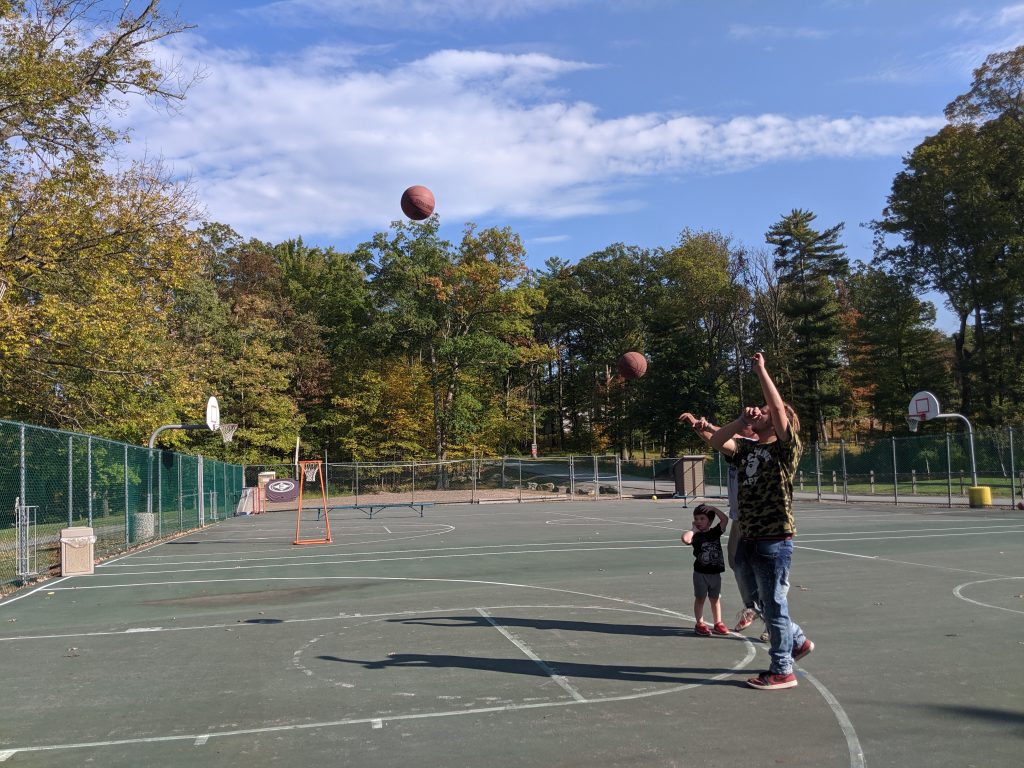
x=708, y=565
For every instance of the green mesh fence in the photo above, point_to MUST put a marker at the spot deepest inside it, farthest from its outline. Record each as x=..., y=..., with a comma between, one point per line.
x=66, y=480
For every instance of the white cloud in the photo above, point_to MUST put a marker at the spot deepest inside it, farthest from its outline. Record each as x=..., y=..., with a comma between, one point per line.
x=769, y=32
x=277, y=150
x=405, y=13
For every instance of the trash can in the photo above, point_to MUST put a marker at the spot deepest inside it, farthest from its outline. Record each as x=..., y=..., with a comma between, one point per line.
x=688, y=473
x=76, y=551
x=979, y=496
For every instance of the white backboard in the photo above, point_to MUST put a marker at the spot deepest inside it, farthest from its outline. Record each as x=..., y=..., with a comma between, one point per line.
x=213, y=414
x=924, y=405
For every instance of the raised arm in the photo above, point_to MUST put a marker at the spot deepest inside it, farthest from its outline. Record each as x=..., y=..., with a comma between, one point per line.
x=704, y=428
x=772, y=398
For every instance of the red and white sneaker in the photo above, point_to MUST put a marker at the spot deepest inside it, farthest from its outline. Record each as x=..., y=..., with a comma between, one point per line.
x=803, y=650
x=702, y=629
x=745, y=619
x=766, y=681
x=720, y=628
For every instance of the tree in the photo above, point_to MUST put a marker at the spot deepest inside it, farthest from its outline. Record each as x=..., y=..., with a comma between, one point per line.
x=465, y=312
x=810, y=264
x=891, y=323
x=93, y=255
x=955, y=224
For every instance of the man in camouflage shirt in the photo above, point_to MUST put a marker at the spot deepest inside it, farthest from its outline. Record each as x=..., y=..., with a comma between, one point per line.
x=766, y=470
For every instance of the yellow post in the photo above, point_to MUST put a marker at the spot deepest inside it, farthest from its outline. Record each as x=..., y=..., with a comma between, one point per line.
x=979, y=496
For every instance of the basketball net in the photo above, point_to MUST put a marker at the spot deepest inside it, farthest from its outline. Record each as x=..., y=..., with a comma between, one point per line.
x=310, y=473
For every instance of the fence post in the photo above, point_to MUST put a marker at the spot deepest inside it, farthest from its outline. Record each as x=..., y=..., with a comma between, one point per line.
x=181, y=502
x=357, y=482
x=159, y=495
x=801, y=479
x=846, y=484
x=961, y=482
x=949, y=475
x=817, y=468
x=834, y=489
x=88, y=482
x=654, y=476
x=21, y=464
x=472, y=471
x=895, y=476
x=1013, y=470
x=871, y=480
x=597, y=480
x=414, y=479
x=618, y=474
x=520, y=481
x=71, y=466
x=127, y=515
x=913, y=482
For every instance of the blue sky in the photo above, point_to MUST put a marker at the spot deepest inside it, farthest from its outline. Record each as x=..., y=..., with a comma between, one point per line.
x=578, y=123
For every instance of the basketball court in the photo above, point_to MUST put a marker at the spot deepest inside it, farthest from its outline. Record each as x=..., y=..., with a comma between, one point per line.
x=521, y=634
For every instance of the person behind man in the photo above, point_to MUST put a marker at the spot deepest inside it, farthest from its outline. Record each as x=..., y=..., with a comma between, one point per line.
x=708, y=564
x=745, y=581
x=766, y=470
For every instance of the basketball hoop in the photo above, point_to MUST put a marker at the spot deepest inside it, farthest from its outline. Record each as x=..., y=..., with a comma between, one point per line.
x=310, y=471
x=227, y=431
x=913, y=422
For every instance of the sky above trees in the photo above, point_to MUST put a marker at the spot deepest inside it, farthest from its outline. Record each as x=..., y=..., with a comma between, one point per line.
x=577, y=122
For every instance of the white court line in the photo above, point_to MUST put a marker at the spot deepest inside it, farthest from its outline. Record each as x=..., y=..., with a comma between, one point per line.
x=548, y=669
x=612, y=522
x=852, y=742
x=6, y=754
x=48, y=585
x=200, y=740
x=881, y=559
x=355, y=559
x=394, y=552
x=959, y=593
x=919, y=530
x=814, y=540
x=315, y=619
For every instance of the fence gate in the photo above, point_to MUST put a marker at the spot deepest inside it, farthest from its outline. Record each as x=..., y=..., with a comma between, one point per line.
x=26, y=540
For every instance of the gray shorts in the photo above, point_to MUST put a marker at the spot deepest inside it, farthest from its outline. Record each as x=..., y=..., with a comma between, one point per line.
x=707, y=584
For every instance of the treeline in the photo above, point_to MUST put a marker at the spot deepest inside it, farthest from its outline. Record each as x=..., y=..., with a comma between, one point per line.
x=123, y=310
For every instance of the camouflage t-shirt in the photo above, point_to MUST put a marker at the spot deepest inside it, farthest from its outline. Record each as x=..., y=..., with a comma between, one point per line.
x=766, y=473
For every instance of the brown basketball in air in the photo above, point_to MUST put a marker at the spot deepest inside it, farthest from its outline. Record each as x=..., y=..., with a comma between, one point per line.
x=632, y=365
x=417, y=202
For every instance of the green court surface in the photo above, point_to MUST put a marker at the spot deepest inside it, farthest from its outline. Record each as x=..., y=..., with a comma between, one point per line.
x=556, y=634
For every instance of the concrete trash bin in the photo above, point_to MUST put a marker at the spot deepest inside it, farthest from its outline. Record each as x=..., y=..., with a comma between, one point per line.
x=76, y=551
x=979, y=496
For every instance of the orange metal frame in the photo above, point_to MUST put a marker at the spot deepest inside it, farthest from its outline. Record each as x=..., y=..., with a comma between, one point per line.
x=323, y=492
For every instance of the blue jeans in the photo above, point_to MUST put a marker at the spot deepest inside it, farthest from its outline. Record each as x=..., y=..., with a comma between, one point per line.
x=745, y=581
x=770, y=561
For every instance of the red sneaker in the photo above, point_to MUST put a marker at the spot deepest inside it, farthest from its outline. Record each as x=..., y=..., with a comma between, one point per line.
x=766, y=681
x=721, y=629
x=803, y=650
x=702, y=629
x=745, y=619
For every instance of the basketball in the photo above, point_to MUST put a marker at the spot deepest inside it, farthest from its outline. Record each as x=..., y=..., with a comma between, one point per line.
x=632, y=365
x=417, y=202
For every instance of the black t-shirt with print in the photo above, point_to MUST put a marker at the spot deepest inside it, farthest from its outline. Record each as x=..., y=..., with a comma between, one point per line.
x=707, y=550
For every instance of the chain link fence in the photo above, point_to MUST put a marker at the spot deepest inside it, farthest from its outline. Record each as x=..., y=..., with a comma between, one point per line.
x=124, y=493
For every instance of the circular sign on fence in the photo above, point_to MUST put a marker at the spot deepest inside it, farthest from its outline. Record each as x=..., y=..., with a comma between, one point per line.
x=283, y=489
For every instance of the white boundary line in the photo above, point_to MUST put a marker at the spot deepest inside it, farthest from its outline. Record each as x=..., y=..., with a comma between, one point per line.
x=518, y=643
x=958, y=591
x=852, y=742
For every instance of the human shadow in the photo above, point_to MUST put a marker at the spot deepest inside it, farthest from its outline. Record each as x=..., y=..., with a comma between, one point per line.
x=640, y=630
x=644, y=674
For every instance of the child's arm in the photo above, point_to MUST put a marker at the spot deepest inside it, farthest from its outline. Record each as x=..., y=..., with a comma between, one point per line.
x=723, y=519
x=772, y=399
x=687, y=536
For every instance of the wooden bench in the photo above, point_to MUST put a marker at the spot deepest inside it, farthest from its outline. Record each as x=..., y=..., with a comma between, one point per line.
x=370, y=508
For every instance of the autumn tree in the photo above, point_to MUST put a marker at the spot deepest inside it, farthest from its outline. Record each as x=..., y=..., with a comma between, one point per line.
x=810, y=263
